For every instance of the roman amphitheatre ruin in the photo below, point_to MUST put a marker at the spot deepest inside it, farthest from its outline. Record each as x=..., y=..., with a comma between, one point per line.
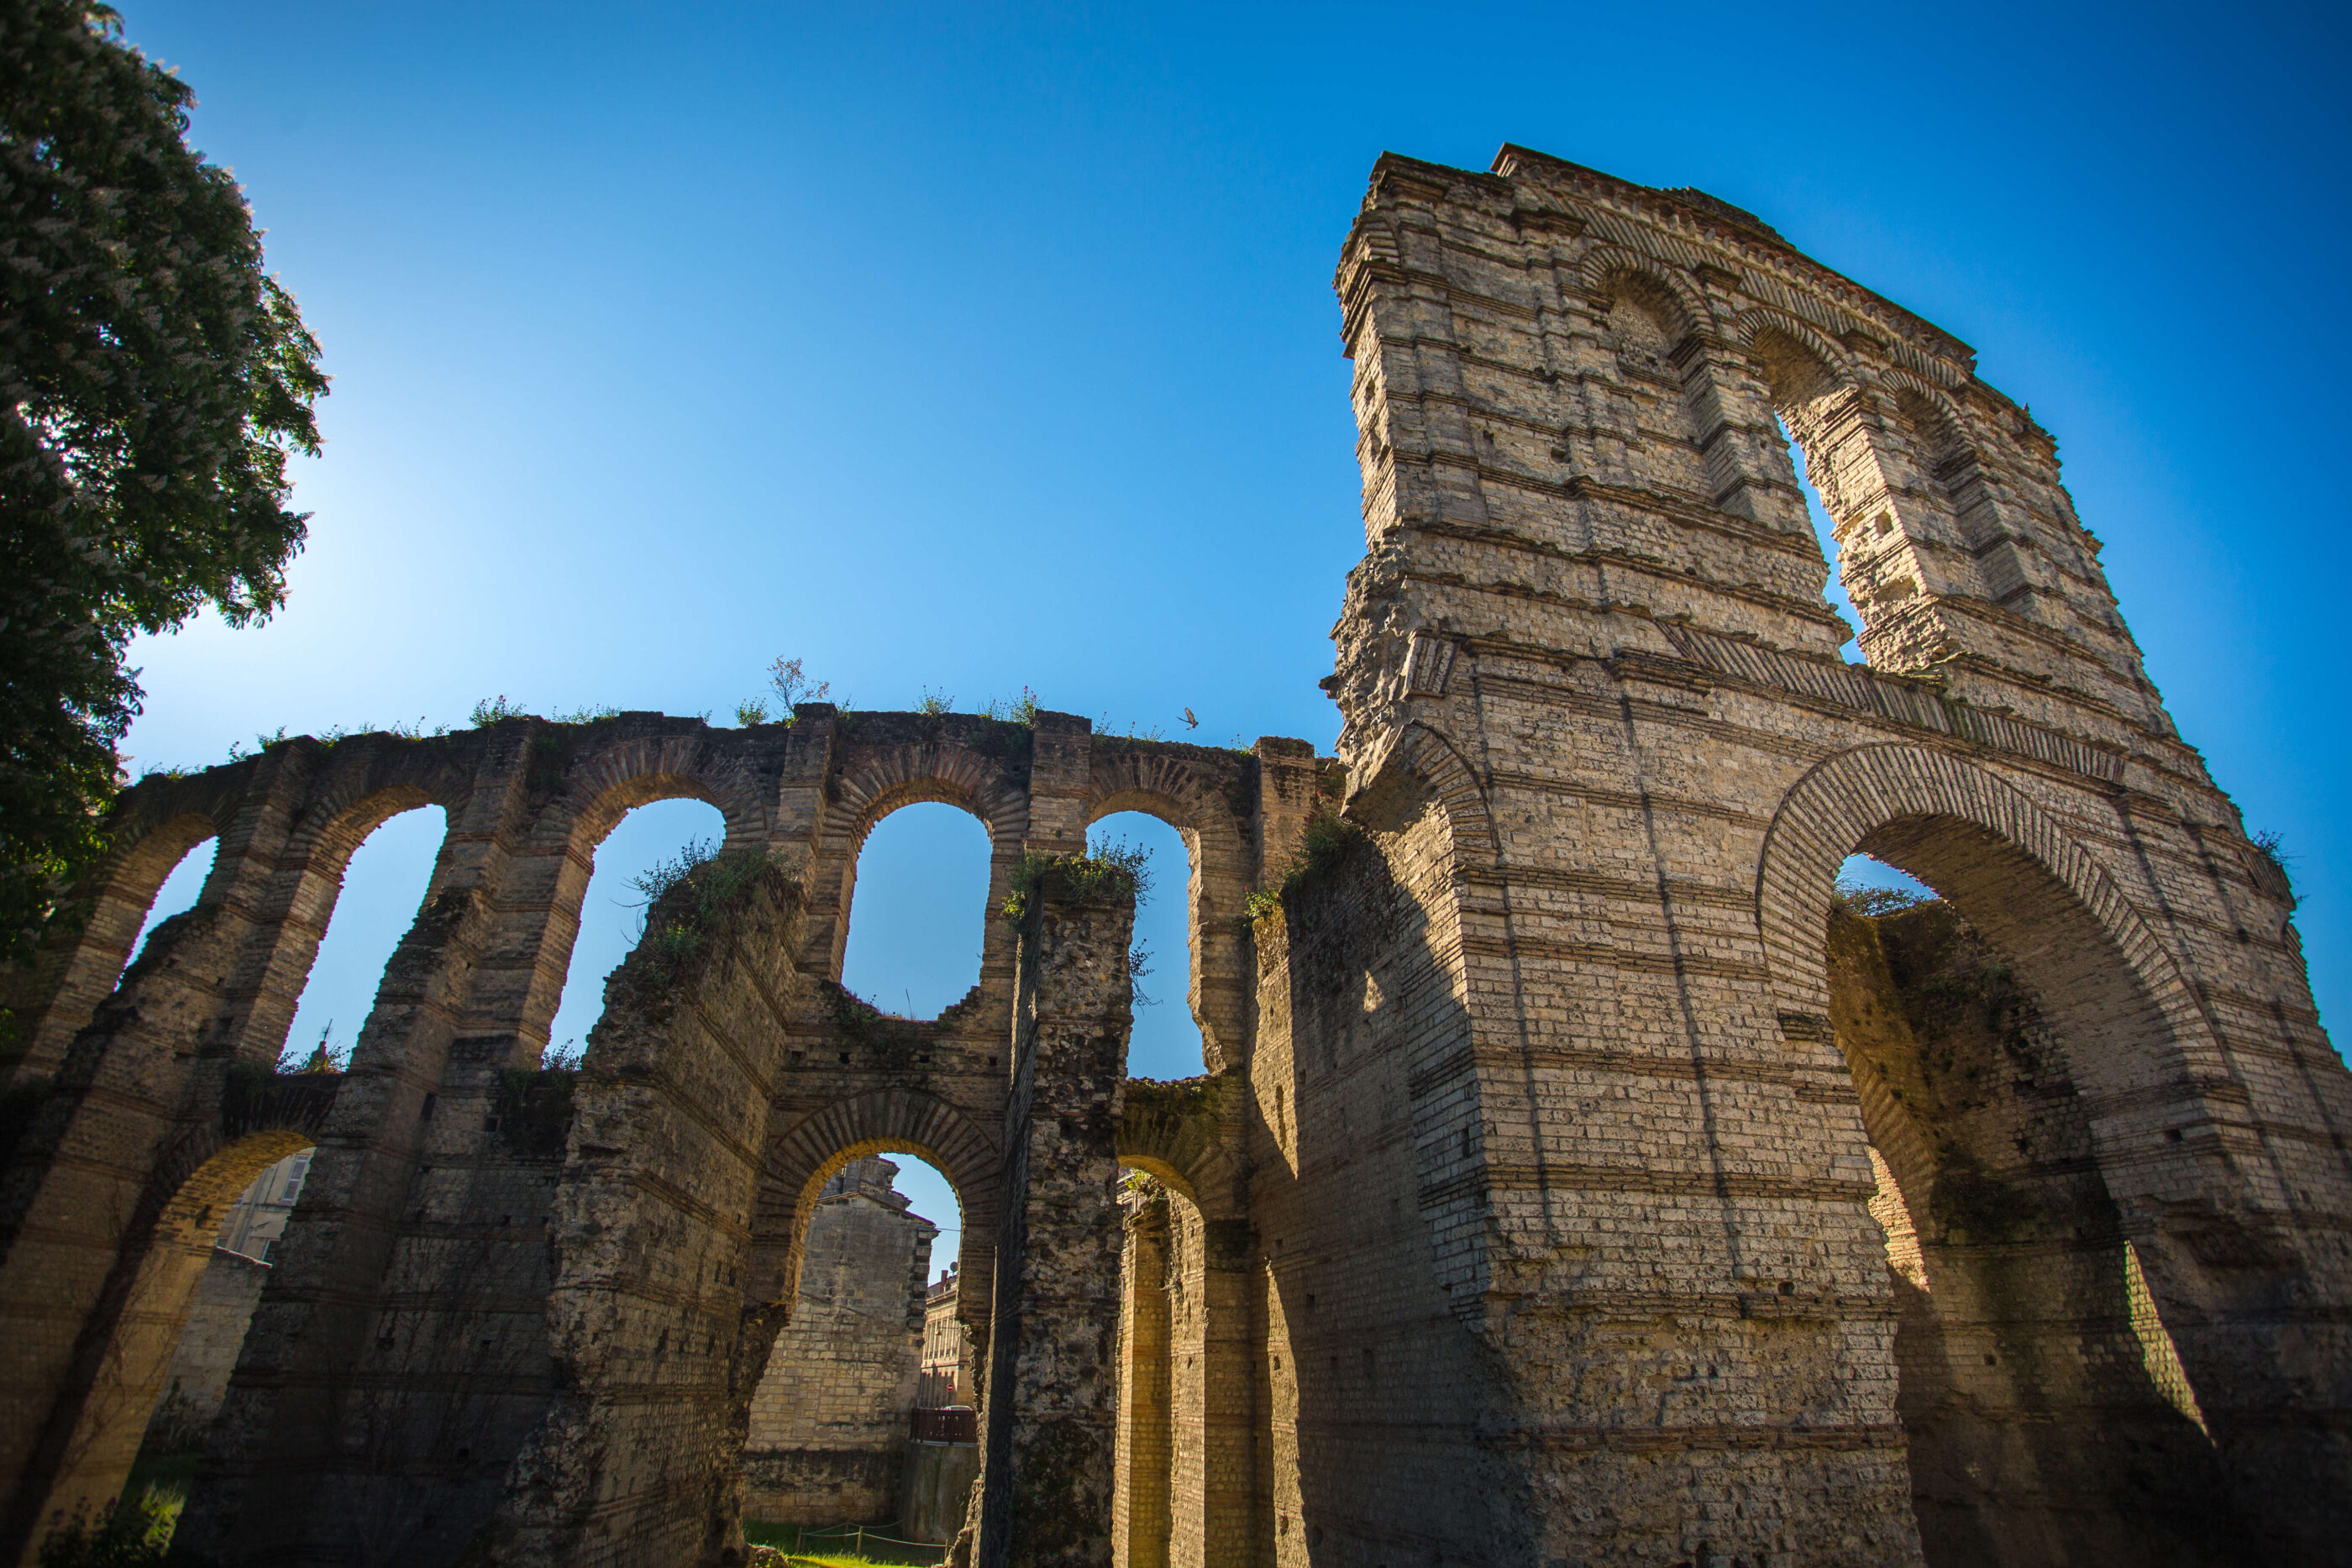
x=1575, y=1180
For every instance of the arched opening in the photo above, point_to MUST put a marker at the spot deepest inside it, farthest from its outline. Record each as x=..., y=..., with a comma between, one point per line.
x=383, y=886
x=177, y=895
x=1816, y=414
x=917, y=912
x=860, y=1425
x=2047, y=1410
x=173, y=1324
x=1645, y=330
x=1833, y=589
x=1165, y=1037
x=646, y=845
x=220, y=1311
x=1174, y=1496
x=151, y=878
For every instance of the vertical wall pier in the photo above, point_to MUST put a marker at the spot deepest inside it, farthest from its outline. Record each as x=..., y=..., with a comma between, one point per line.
x=1049, y=1424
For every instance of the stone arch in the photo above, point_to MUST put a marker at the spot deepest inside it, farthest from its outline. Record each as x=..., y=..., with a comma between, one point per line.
x=94, y=1428
x=1169, y=787
x=1606, y=272
x=619, y=779
x=1798, y=361
x=308, y=884
x=815, y=1147
x=1183, y=1144
x=2134, y=1037
x=2021, y=1202
x=1951, y=483
x=605, y=788
x=1926, y=405
x=79, y=968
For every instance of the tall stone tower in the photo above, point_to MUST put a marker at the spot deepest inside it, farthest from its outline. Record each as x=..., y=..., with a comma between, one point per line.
x=1562, y=1048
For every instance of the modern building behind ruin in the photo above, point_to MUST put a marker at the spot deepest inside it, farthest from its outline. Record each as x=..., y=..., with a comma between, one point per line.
x=1571, y=1183
x=945, y=1368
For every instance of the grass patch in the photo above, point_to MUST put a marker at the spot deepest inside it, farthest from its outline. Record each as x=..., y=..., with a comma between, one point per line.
x=847, y=1544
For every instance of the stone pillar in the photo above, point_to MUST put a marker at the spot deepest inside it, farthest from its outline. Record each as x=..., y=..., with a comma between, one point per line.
x=1047, y=1450
x=1288, y=779
x=1139, y=1505
x=1061, y=779
x=1214, y=1508
x=83, y=1203
x=345, y=1408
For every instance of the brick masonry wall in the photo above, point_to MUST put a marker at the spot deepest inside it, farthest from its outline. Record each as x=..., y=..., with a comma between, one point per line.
x=1588, y=633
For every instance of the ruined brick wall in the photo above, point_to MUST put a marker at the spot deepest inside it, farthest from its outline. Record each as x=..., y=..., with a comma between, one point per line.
x=1364, y=1194
x=1588, y=633
x=404, y=1350
x=2047, y=1417
x=829, y=1422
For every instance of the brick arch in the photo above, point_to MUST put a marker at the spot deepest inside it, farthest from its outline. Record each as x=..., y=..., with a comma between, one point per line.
x=1605, y=270
x=891, y=778
x=1760, y=332
x=1169, y=787
x=606, y=786
x=2013, y=871
x=287, y=1109
x=1952, y=425
x=342, y=818
x=618, y=779
x=306, y=885
x=84, y=1451
x=816, y=1147
x=80, y=966
x=1421, y=756
x=1184, y=1148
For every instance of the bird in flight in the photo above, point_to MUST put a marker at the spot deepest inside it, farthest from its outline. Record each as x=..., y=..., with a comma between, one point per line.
x=1189, y=722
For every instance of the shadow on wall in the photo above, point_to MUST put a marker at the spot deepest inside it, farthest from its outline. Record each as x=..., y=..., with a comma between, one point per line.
x=2048, y=1416
x=1365, y=1311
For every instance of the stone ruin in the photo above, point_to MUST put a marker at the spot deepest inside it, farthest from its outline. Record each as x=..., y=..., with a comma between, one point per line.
x=1572, y=1180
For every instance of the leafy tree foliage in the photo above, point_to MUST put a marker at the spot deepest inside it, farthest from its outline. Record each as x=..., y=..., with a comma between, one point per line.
x=152, y=382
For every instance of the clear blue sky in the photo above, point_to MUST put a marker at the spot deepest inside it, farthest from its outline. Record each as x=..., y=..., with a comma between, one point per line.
x=971, y=348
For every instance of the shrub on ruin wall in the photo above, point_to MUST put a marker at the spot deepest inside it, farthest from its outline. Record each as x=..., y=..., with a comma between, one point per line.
x=1103, y=875
x=1326, y=842
x=690, y=900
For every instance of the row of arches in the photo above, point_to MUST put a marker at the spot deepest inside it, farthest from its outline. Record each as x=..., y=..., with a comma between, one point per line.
x=345, y=891
x=921, y=887
x=1885, y=460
